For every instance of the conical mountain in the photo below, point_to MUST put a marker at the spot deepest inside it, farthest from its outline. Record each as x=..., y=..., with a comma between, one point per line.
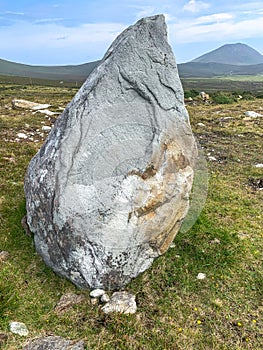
x=234, y=54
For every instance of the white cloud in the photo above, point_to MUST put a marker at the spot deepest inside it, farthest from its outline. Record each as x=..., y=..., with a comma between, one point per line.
x=215, y=28
x=87, y=38
x=196, y=6
x=214, y=18
x=61, y=38
x=14, y=13
x=48, y=20
x=169, y=18
x=144, y=11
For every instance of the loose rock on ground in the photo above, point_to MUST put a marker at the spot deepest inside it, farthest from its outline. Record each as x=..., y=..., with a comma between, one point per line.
x=18, y=328
x=122, y=302
x=54, y=343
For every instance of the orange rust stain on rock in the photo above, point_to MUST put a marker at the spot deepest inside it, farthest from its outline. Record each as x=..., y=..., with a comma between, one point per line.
x=149, y=172
x=150, y=215
x=168, y=237
x=152, y=204
x=160, y=177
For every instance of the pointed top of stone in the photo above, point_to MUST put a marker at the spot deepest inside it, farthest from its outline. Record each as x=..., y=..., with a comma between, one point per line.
x=153, y=26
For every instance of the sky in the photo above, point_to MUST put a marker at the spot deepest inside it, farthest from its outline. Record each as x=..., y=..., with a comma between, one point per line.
x=61, y=32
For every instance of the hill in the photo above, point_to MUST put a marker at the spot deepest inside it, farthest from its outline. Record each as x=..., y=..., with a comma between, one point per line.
x=210, y=69
x=230, y=59
x=68, y=73
x=234, y=54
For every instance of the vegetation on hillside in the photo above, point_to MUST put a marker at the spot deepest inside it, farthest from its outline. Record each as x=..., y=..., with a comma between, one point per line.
x=176, y=311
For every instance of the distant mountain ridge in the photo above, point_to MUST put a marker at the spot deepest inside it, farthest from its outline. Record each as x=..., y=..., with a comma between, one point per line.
x=68, y=73
x=229, y=59
x=234, y=54
x=210, y=70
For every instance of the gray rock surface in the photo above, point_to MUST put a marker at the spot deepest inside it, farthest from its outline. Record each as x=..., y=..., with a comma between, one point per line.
x=54, y=343
x=108, y=191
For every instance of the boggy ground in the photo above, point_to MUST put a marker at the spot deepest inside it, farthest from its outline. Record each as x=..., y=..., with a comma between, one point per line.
x=175, y=309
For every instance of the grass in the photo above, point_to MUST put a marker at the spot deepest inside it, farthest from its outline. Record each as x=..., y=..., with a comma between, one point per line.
x=175, y=310
x=228, y=83
x=243, y=78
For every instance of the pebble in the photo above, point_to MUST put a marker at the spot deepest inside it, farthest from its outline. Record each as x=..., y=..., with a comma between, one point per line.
x=46, y=128
x=201, y=276
x=259, y=165
x=21, y=135
x=215, y=241
x=201, y=124
x=19, y=328
x=96, y=293
x=4, y=255
x=105, y=298
x=211, y=158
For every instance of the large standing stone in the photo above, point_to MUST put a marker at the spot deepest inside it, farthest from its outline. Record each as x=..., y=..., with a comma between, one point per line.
x=109, y=189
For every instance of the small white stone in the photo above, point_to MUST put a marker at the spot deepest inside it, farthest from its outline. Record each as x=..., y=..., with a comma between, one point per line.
x=253, y=114
x=96, y=293
x=21, y=135
x=105, y=298
x=19, y=328
x=47, y=112
x=259, y=165
x=215, y=241
x=46, y=128
x=201, y=276
x=201, y=124
x=212, y=159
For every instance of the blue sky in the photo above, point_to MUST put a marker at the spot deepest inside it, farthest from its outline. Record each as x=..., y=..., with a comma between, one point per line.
x=72, y=32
